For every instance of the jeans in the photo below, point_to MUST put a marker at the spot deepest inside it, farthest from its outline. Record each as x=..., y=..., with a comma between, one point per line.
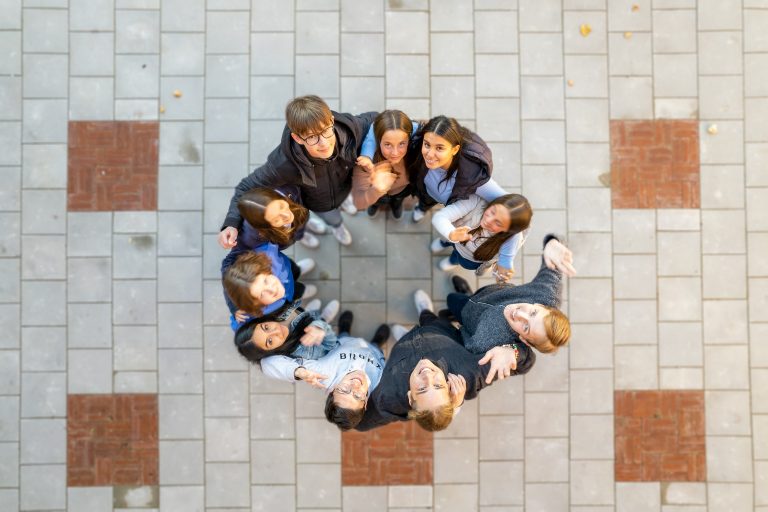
x=332, y=217
x=456, y=302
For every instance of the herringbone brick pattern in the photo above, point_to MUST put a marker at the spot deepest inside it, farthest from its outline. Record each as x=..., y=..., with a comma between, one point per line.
x=112, y=165
x=655, y=164
x=112, y=440
x=660, y=436
x=397, y=454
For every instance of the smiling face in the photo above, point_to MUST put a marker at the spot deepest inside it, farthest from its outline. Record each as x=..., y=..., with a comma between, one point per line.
x=325, y=137
x=352, y=390
x=278, y=213
x=269, y=335
x=527, y=320
x=266, y=289
x=393, y=145
x=496, y=219
x=428, y=388
x=438, y=153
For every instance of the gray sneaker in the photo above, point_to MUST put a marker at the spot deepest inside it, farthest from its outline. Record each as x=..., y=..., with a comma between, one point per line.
x=422, y=301
x=342, y=234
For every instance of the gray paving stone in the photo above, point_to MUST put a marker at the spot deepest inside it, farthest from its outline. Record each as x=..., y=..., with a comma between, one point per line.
x=44, y=257
x=587, y=76
x=361, y=16
x=10, y=98
x=180, y=325
x=455, y=95
x=48, y=297
x=586, y=120
x=85, y=15
x=368, y=235
x=89, y=325
x=44, y=349
x=135, y=382
x=43, y=441
x=212, y=256
x=135, y=348
x=754, y=74
x=43, y=487
x=137, y=31
x=180, y=371
x=179, y=279
x=270, y=94
x=10, y=286
x=226, y=76
x=362, y=94
x=273, y=462
x=259, y=383
x=182, y=54
x=272, y=53
x=134, y=302
x=317, y=32
x=10, y=364
x=181, y=462
x=43, y=395
x=226, y=120
x=498, y=76
x=408, y=256
x=10, y=326
x=362, y=279
x=501, y=438
x=218, y=351
x=227, y=32
x=227, y=440
x=45, y=121
x=181, y=16
x=9, y=472
x=137, y=4
x=89, y=234
x=137, y=76
x=493, y=119
x=11, y=17
x=214, y=308
x=10, y=154
x=179, y=234
x=317, y=441
x=309, y=401
x=543, y=142
x=454, y=15
x=362, y=54
x=575, y=42
x=9, y=418
x=263, y=137
x=136, y=110
x=45, y=166
x=86, y=499
x=407, y=76
x=630, y=56
x=92, y=99
x=400, y=307
x=187, y=107
x=180, y=188
x=228, y=5
x=89, y=279
x=181, y=416
x=182, y=143
x=226, y=394
x=318, y=485
x=540, y=54
x=267, y=15
x=326, y=256
x=227, y=485
x=90, y=371
x=92, y=54
x=272, y=417
x=10, y=61
x=216, y=202
x=499, y=32
x=317, y=74
x=10, y=194
x=225, y=164
x=45, y=31
x=135, y=222
x=183, y=497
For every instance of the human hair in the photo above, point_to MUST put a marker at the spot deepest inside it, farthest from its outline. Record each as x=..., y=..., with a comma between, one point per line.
x=240, y=275
x=433, y=420
x=389, y=120
x=249, y=350
x=307, y=114
x=345, y=419
x=520, y=214
x=252, y=206
x=558, y=329
x=449, y=129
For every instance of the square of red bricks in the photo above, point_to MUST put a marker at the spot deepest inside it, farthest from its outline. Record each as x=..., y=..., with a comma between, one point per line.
x=112, y=440
x=396, y=454
x=660, y=436
x=655, y=164
x=112, y=165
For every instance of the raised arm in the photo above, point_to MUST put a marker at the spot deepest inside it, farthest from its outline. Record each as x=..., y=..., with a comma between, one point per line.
x=444, y=219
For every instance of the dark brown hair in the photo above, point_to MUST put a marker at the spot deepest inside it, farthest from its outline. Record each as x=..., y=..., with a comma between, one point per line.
x=345, y=419
x=449, y=129
x=252, y=205
x=389, y=120
x=307, y=114
x=238, y=278
x=520, y=214
x=249, y=350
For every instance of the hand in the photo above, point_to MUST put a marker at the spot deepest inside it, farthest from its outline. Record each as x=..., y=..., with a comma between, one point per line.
x=365, y=162
x=383, y=177
x=313, y=335
x=460, y=234
x=503, y=361
x=312, y=378
x=559, y=257
x=457, y=387
x=503, y=275
x=228, y=237
x=241, y=316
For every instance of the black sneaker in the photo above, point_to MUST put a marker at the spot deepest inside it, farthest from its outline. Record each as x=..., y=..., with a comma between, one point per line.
x=396, y=206
x=381, y=336
x=345, y=322
x=446, y=315
x=461, y=285
x=373, y=210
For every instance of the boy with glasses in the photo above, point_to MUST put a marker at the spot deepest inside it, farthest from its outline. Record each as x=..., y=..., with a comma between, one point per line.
x=317, y=153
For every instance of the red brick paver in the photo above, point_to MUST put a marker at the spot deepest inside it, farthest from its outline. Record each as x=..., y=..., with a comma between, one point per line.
x=660, y=436
x=112, y=440
x=112, y=165
x=655, y=164
x=397, y=454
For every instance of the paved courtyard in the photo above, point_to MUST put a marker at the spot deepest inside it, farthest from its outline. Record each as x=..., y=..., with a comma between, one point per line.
x=636, y=128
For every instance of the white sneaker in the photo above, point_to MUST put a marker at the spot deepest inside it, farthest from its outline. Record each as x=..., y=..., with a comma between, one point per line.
x=330, y=311
x=313, y=305
x=306, y=266
x=482, y=269
x=309, y=240
x=398, y=331
x=446, y=265
x=422, y=301
x=436, y=247
x=418, y=215
x=342, y=234
x=348, y=206
x=310, y=291
x=316, y=225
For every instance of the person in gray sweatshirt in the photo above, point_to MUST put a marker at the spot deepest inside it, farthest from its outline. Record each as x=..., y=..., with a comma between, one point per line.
x=502, y=314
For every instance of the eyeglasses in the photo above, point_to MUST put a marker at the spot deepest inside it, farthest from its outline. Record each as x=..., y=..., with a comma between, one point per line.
x=346, y=390
x=313, y=139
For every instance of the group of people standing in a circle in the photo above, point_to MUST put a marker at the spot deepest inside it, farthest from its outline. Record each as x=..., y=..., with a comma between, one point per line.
x=329, y=162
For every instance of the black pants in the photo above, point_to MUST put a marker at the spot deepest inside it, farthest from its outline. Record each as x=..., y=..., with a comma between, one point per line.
x=298, y=288
x=456, y=302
